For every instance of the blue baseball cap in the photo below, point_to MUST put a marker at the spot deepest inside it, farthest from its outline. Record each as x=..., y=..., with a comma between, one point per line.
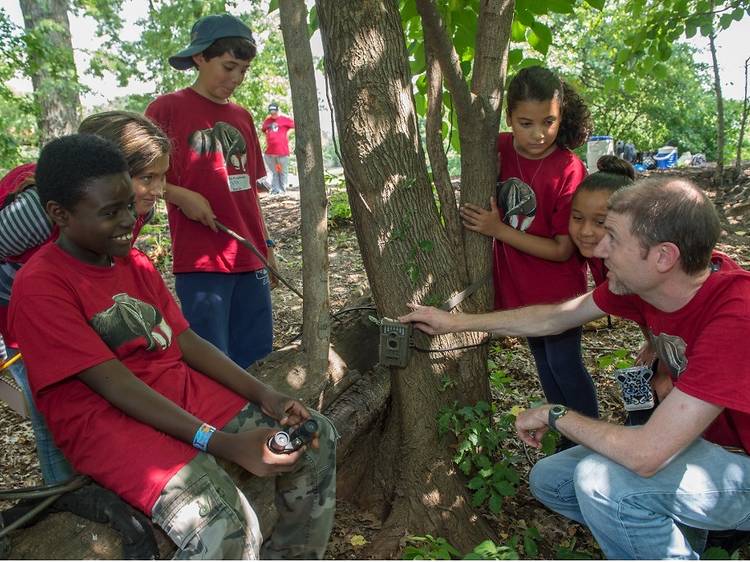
x=207, y=30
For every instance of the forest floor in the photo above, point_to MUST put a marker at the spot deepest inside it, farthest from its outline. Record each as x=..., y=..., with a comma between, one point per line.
x=521, y=514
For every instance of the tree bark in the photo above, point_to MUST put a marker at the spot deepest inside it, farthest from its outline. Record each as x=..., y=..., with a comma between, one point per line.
x=719, y=112
x=316, y=317
x=51, y=67
x=407, y=257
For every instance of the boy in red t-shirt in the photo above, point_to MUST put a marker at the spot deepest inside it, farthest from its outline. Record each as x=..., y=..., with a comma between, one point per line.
x=276, y=127
x=223, y=288
x=126, y=386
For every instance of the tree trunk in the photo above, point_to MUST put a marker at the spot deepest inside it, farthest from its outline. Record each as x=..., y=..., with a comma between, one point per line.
x=316, y=318
x=407, y=257
x=719, y=112
x=743, y=124
x=51, y=67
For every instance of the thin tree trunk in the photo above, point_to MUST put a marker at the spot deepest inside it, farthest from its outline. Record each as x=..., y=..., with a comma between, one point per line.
x=316, y=318
x=408, y=257
x=719, y=112
x=743, y=123
x=52, y=67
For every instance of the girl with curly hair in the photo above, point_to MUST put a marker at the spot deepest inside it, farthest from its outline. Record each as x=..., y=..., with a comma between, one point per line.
x=534, y=257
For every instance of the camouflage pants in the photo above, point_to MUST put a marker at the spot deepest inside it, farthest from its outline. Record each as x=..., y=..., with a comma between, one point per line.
x=209, y=518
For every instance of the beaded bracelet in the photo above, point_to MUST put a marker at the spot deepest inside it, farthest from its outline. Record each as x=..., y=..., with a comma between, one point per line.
x=204, y=433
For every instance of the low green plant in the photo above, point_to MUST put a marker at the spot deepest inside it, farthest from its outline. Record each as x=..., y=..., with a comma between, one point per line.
x=478, y=452
x=339, y=212
x=428, y=547
x=619, y=359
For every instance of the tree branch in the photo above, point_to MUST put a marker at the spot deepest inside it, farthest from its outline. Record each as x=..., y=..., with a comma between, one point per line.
x=438, y=160
x=447, y=56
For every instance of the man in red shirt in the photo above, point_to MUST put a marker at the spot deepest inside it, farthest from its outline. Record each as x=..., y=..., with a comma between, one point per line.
x=276, y=128
x=639, y=488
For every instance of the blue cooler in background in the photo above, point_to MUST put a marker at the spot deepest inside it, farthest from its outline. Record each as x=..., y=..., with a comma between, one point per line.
x=666, y=157
x=597, y=147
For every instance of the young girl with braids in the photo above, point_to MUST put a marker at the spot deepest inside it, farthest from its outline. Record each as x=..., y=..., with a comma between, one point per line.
x=535, y=260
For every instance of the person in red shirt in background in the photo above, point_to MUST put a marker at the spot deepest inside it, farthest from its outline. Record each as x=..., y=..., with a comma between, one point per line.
x=535, y=260
x=276, y=128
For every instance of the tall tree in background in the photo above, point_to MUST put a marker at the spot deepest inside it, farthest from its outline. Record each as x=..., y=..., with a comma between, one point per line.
x=743, y=123
x=51, y=67
x=409, y=254
x=719, y=111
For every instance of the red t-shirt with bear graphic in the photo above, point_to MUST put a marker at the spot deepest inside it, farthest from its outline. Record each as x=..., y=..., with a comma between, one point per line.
x=215, y=152
x=69, y=316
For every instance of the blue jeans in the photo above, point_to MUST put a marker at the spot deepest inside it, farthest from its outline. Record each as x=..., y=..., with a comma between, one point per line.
x=55, y=467
x=277, y=166
x=632, y=517
x=231, y=310
x=564, y=378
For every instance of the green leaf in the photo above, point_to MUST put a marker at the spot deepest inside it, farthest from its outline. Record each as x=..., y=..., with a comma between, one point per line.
x=530, y=62
x=540, y=37
x=313, y=23
x=560, y=6
x=475, y=483
x=538, y=7
x=426, y=245
x=598, y=4
x=517, y=31
x=504, y=488
x=479, y=497
x=496, y=503
x=525, y=17
x=273, y=6
x=738, y=14
x=660, y=71
x=514, y=57
x=529, y=545
x=715, y=553
x=420, y=103
x=725, y=21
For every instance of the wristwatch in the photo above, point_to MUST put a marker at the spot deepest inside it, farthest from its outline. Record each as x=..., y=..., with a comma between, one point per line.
x=555, y=413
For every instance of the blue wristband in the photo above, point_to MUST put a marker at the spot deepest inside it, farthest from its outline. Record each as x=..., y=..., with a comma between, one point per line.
x=204, y=433
x=270, y=243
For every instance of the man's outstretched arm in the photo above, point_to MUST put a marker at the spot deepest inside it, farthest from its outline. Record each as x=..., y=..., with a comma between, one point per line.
x=537, y=320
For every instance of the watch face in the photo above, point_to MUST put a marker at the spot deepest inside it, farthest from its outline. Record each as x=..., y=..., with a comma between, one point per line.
x=558, y=410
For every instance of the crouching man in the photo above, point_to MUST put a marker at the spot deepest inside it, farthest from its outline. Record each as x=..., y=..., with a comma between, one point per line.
x=639, y=488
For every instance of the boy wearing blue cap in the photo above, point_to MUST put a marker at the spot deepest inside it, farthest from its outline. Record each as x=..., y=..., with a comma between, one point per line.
x=223, y=287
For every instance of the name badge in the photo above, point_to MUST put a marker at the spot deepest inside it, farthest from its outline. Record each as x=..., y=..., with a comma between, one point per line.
x=239, y=182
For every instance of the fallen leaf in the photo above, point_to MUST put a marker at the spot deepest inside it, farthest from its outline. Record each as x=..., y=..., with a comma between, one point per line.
x=358, y=540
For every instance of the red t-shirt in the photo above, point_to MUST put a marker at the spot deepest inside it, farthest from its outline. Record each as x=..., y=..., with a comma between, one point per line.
x=8, y=185
x=69, y=316
x=215, y=152
x=540, y=207
x=703, y=346
x=598, y=270
x=276, y=130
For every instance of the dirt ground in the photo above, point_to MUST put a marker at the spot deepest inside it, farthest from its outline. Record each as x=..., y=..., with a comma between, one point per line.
x=355, y=528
